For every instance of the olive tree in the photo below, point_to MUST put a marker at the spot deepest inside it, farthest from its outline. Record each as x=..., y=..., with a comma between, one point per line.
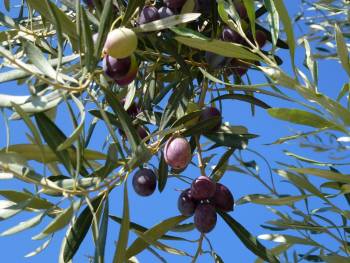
x=155, y=75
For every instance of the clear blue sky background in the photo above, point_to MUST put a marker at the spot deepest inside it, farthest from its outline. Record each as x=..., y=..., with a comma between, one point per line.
x=151, y=210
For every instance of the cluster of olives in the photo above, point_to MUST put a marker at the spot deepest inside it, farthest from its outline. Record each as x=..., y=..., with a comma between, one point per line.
x=203, y=199
x=151, y=13
x=119, y=62
x=120, y=65
x=204, y=196
x=235, y=66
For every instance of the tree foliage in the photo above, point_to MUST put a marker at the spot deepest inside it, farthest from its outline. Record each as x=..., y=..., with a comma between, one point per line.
x=185, y=64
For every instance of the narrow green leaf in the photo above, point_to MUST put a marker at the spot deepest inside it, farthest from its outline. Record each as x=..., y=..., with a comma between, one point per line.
x=39, y=60
x=162, y=173
x=221, y=166
x=248, y=240
x=273, y=19
x=261, y=200
x=35, y=152
x=125, y=120
x=167, y=22
x=238, y=141
x=120, y=252
x=342, y=49
x=276, y=251
x=301, y=117
x=141, y=229
x=77, y=232
x=78, y=130
x=335, y=259
x=152, y=235
x=88, y=40
x=288, y=27
x=104, y=27
x=242, y=97
x=344, y=178
x=250, y=7
x=102, y=238
x=217, y=258
x=308, y=160
x=18, y=197
x=57, y=223
x=39, y=249
x=300, y=182
x=288, y=239
x=219, y=47
x=66, y=23
x=172, y=105
x=23, y=225
x=202, y=126
x=9, y=209
x=53, y=137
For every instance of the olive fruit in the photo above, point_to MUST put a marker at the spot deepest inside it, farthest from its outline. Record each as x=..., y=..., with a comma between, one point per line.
x=130, y=75
x=148, y=14
x=164, y=12
x=210, y=113
x=214, y=61
x=116, y=68
x=203, y=7
x=177, y=152
x=126, y=80
x=203, y=188
x=230, y=35
x=132, y=110
x=144, y=182
x=141, y=131
x=174, y=4
x=238, y=67
x=205, y=217
x=223, y=199
x=120, y=43
x=240, y=8
x=261, y=38
x=186, y=204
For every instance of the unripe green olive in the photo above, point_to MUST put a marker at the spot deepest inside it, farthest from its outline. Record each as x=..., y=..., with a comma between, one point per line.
x=120, y=43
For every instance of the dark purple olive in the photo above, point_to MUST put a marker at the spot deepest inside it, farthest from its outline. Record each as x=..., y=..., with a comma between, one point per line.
x=148, y=14
x=133, y=109
x=177, y=152
x=240, y=8
x=214, y=61
x=144, y=182
x=203, y=188
x=174, y=4
x=164, y=12
x=261, y=38
x=186, y=204
x=141, y=131
x=209, y=113
x=223, y=199
x=116, y=68
x=230, y=35
x=203, y=7
x=205, y=217
x=130, y=75
x=238, y=67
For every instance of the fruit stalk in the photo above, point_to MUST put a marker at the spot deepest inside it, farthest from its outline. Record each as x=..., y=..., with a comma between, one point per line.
x=196, y=137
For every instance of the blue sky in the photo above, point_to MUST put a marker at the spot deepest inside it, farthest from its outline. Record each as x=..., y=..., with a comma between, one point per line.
x=151, y=210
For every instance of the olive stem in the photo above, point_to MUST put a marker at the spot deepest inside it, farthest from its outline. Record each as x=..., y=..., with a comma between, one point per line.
x=199, y=249
x=196, y=137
